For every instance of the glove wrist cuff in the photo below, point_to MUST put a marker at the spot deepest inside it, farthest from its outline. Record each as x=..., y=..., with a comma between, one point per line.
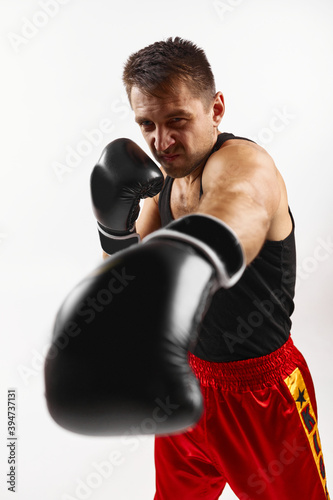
x=214, y=239
x=112, y=243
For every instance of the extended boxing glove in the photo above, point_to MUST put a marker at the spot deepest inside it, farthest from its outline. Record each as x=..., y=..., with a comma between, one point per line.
x=123, y=176
x=118, y=363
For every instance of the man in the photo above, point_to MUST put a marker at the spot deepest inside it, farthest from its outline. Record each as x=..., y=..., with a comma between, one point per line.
x=251, y=437
x=218, y=253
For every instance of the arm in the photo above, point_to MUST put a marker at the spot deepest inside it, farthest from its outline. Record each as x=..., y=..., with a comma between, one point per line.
x=149, y=219
x=243, y=188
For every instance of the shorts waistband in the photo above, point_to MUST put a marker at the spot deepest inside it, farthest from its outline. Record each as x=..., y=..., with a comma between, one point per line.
x=249, y=374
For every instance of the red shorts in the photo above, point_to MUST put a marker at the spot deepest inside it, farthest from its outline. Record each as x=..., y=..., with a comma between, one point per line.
x=258, y=433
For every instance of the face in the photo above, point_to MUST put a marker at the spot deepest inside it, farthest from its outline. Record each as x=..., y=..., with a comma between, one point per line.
x=179, y=130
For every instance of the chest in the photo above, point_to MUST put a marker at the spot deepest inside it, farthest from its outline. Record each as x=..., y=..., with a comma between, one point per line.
x=184, y=199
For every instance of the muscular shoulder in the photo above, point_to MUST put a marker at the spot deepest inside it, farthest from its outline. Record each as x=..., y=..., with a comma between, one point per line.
x=237, y=160
x=241, y=166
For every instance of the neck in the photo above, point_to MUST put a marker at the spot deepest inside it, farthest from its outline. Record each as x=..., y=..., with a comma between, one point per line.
x=197, y=171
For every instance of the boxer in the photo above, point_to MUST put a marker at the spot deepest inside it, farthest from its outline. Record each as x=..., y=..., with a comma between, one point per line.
x=186, y=333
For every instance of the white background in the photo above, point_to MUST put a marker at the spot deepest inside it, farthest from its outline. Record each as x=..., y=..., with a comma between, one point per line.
x=60, y=78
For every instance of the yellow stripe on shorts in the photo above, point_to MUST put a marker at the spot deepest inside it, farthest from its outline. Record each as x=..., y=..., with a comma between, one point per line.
x=299, y=392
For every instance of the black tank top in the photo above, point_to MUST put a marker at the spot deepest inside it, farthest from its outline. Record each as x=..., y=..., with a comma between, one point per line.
x=252, y=318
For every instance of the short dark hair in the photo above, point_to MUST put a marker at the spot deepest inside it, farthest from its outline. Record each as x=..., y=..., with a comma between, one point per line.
x=156, y=68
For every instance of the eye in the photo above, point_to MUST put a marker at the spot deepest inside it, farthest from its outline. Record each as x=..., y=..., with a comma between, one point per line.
x=146, y=124
x=177, y=120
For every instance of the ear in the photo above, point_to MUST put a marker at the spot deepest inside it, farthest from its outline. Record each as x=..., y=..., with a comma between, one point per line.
x=218, y=108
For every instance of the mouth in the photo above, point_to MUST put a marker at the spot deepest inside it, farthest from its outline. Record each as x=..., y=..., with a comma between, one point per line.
x=168, y=158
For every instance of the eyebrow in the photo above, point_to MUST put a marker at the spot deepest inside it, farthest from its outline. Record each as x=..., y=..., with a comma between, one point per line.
x=174, y=113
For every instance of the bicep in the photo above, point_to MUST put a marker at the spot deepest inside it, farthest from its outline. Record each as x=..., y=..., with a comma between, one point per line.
x=242, y=171
x=241, y=188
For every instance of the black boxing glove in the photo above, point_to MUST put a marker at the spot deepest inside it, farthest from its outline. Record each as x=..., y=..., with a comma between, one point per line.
x=123, y=176
x=118, y=363
x=214, y=239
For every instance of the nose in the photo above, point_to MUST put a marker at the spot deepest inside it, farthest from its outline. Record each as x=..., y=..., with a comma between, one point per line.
x=162, y=139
